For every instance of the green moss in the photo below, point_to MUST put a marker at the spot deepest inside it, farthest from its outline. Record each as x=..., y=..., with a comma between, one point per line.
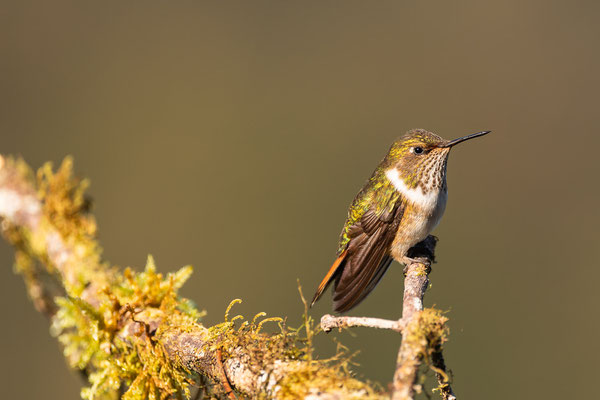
x=64, y=202
x=292, y=346
x=427, y=332
x=118, y=341
x=92, y=341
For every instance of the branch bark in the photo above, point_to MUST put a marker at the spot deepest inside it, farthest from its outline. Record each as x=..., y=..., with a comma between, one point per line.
x=329, y=322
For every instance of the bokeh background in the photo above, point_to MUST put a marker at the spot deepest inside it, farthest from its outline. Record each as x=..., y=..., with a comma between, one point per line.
x=232, y=136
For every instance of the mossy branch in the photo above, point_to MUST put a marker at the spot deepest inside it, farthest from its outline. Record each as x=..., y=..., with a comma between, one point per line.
x=129, y=331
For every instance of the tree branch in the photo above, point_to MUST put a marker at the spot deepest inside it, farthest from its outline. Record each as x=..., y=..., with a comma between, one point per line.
x=132, y=327
x=329, y=322
x=423, y=331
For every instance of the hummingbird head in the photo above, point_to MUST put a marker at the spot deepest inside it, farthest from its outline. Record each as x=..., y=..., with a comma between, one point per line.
x=417, y=161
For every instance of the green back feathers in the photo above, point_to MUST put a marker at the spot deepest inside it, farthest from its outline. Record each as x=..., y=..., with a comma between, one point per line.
x=378, y=194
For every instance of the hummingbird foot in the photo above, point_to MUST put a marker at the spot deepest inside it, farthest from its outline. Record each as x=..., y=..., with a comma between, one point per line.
x=415, y=260
x=421, y=253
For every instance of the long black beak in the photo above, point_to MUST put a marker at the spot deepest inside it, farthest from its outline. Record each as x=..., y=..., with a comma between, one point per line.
x=462, y=139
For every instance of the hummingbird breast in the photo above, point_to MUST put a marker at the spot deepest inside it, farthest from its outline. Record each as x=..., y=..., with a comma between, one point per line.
x=423, y=210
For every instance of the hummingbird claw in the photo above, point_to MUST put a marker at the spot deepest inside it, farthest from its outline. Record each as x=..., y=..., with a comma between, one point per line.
x=415, y=260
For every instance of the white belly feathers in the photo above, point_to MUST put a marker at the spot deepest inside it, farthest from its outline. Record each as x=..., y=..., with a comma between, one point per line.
x=426, y=212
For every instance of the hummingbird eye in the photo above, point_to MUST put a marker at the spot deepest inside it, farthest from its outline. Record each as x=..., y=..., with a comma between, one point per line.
x=418, y=150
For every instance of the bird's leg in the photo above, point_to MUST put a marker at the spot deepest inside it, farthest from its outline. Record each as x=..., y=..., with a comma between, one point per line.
x=416, y=260
x=422, y=253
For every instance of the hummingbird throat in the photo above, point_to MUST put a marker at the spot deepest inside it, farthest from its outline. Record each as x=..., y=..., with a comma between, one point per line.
x=412, y=194
x=430, y=181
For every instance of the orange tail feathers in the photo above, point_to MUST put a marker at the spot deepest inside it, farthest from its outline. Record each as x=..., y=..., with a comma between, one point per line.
x=328, y=278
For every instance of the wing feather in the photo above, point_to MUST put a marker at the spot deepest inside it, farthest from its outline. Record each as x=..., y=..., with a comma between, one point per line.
x=328, y=278
x=358, y=272
x=358, y=294
x=359, y=268
x=364, y=251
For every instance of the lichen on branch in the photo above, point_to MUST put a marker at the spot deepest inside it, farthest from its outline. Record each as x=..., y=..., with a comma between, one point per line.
x=130, y=332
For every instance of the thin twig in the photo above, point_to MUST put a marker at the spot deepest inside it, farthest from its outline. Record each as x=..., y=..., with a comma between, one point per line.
x=224, y=379
x=329, y=322
x=412, y=347
x=443, y=378
x=420, y=333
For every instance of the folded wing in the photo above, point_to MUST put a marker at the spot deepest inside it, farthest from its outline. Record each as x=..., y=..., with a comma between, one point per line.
x=361, y=265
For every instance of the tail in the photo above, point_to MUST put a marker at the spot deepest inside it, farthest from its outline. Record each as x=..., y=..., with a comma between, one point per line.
x=329, y=277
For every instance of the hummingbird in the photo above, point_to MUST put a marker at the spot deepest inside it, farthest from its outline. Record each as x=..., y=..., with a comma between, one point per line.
x=398, y=207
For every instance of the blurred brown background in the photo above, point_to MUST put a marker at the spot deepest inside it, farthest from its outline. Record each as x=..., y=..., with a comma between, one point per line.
x=234, y=136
